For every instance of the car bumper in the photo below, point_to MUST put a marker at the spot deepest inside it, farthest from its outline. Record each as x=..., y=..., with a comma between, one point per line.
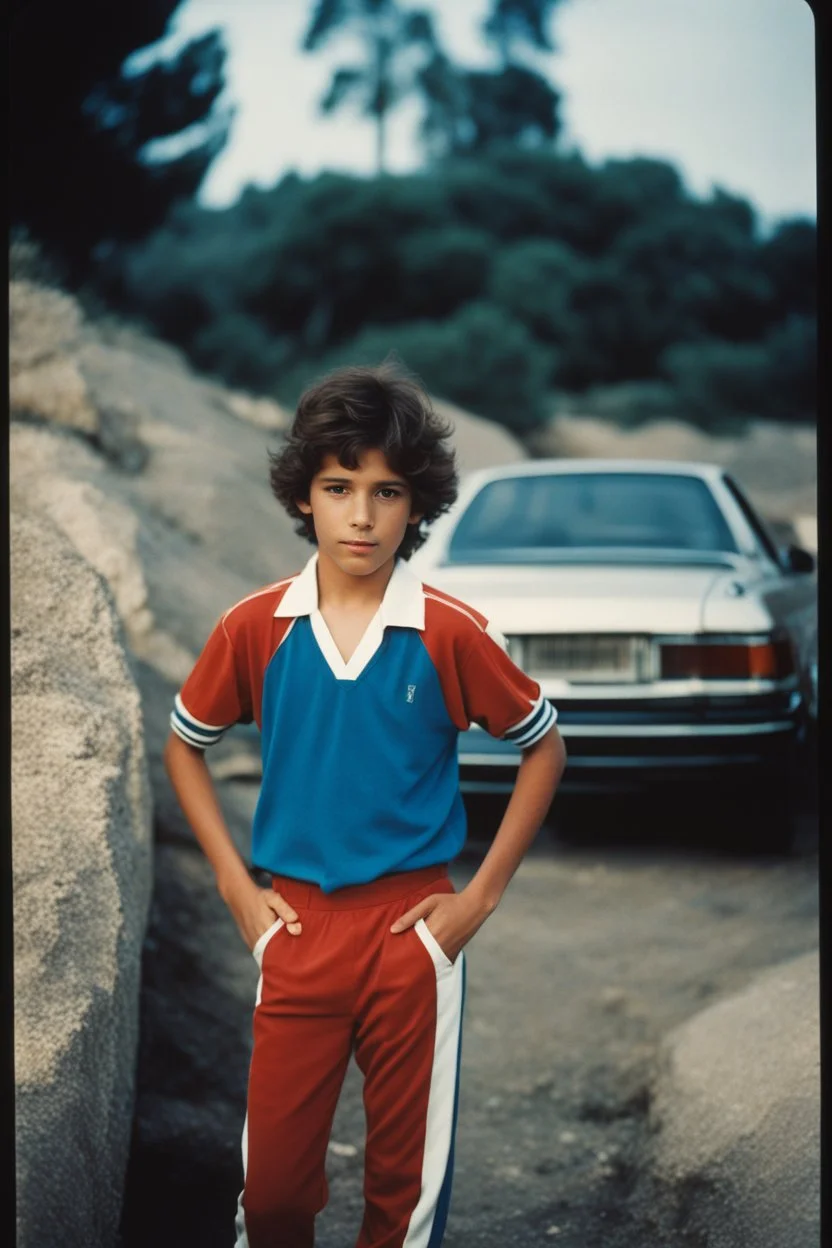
x=636, y=747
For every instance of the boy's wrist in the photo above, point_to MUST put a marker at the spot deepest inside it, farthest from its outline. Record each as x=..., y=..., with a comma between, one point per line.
x=232, y=879
x=483, y=898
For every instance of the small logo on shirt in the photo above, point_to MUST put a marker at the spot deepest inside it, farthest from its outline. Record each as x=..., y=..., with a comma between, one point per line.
x=411, y=692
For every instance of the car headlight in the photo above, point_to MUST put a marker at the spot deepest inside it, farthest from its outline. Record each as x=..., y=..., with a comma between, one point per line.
x=733, y=658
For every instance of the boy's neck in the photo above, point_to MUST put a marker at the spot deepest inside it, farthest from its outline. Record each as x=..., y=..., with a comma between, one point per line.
x=340, y=590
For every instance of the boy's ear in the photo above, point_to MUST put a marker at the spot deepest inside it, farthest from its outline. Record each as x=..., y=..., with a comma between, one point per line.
x=415, y=517
x=304, y=505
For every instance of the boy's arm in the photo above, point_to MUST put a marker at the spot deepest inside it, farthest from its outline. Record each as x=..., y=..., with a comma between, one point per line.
x=454, y=918
x=538, y=777
x=254, y=908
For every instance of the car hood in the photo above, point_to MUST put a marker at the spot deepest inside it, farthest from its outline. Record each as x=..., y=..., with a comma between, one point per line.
x=603, y=598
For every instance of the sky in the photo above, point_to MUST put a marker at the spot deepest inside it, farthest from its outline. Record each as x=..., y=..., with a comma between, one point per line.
x=723, y=89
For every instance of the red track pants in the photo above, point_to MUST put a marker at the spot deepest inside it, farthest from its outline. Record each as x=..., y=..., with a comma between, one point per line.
x=347, y=984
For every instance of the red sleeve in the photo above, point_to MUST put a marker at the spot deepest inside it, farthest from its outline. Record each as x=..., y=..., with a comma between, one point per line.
x=215, y=695
x=500, y=697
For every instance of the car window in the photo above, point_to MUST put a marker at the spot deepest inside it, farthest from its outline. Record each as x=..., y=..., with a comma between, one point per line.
x=591, y=510
x=754, y=522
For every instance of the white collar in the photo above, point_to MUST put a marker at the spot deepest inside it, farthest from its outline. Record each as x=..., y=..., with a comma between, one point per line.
x=402, y=606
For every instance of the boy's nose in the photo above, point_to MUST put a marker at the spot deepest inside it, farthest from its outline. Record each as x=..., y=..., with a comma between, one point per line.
x=361, y=515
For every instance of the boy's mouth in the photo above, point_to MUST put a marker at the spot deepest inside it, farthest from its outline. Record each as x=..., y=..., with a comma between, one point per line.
x=358, y=544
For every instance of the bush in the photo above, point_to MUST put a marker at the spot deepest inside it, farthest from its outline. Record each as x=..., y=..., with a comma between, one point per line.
x=533, y=281
x=440, y=270
x=792, y=349
x=497, y=277
x=773, y=380
x=241, y=351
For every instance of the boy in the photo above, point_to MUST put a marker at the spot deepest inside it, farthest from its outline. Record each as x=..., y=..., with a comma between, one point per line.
x=360, y=678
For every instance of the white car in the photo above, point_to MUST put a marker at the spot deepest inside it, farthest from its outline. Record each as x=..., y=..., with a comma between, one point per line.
x=651, y=604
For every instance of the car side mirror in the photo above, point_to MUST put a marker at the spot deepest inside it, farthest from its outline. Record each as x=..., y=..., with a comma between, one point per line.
x=795, y=559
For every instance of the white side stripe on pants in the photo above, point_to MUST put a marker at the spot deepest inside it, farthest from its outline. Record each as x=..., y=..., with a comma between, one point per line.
x=258, y=951
x=441, y=1104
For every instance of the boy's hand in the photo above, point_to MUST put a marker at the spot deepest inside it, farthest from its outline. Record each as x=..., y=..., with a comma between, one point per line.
x=452, y=919
x=255, y=909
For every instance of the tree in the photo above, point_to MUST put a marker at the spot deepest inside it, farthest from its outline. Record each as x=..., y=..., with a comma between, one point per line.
x=389, y=35
x=470, y=111
x=523, y=22
x=534, y=280
x=790, y=261
x=80, y=171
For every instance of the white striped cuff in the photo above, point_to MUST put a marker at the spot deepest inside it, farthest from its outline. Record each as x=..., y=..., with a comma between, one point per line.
x=194, y=731
x=534, y=726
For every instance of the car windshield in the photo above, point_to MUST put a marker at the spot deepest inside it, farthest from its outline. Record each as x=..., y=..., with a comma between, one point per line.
x=526, y=518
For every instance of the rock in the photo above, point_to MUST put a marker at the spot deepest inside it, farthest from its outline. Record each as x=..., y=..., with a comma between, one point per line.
x=479, y=443
x=82, y=867
x=67, y=481
x=45, y=324
x=259, y=411
x=47, y=379
x=118, y=435
x=736, y=1108
x=102, y=529
x=54, y=391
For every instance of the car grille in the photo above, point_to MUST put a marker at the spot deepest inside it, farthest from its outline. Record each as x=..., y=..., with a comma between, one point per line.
x=580, y=659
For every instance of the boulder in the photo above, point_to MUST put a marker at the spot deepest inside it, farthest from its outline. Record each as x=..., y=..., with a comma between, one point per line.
x=82, y=875
x=736, y=1109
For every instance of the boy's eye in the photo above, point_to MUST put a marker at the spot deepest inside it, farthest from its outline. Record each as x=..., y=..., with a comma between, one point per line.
x=334, y=489
x=389, y=491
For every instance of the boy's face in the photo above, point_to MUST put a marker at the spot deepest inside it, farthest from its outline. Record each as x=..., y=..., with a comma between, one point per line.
x=360, y=514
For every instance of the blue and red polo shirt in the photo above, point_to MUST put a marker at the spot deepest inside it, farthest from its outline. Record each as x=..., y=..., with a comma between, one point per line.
x=360, y=772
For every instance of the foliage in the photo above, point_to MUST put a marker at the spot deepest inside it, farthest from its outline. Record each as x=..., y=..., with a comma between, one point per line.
x=789, y=260
x=773, y=378
x=80, y=173
x=468, y=112
x=389, y=35
x=535, y=280
x=520, y=21
x=502, y=279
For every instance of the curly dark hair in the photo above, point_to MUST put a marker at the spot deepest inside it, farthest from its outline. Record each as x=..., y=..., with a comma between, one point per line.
x=357, y=409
